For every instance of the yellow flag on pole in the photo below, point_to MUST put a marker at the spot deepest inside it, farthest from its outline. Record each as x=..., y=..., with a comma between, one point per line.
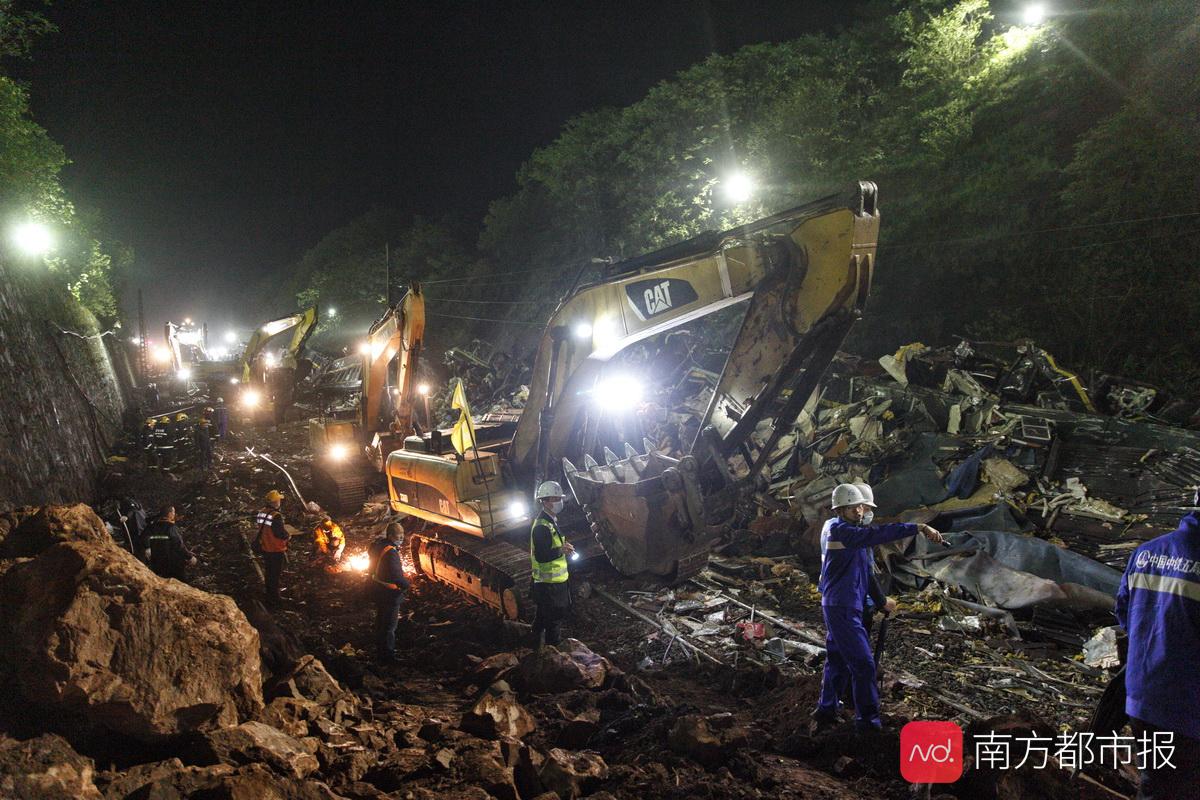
x=463, y=435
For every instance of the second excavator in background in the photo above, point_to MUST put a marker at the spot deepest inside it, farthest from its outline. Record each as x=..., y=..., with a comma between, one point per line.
x=267, y=382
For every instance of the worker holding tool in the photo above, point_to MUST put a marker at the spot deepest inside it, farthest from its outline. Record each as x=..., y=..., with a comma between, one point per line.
x=272, y=541
x=549, y=552
x=389, y=585
x=329, y=542
x=1158, y=604
x=846, y=543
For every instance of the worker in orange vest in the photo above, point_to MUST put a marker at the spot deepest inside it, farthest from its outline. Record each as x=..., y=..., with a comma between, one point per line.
x=272, y=541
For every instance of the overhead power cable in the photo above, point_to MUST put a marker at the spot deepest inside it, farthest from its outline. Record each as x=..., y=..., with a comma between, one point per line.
x=1012, y=234
x=487, y=302
x=484, y=319
x=493, y=275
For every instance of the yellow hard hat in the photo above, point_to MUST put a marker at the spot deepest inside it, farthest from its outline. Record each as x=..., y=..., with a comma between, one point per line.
x=274, y=495
x=180, y=417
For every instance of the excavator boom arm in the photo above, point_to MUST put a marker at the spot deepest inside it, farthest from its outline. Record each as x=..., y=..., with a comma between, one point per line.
x=401, y=331
x=801, y=268
x=302, y=321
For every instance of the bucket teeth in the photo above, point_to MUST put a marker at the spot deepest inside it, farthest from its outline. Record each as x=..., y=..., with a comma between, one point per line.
x=568, y=468
x=610, y=457
x=629, y=451
x=648, y=445
x=589, y=462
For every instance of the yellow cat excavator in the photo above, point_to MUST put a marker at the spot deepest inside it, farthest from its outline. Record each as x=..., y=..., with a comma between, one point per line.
x=804, y=275
x=264, y=383
x=349, y=453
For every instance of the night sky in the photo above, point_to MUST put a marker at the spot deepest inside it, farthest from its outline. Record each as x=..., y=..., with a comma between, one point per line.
x=223, y=140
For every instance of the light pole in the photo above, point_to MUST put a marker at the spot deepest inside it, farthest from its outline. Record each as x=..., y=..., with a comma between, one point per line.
x=423, y=390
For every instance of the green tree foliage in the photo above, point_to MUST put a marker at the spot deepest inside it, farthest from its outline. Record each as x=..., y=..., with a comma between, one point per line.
x=1011, y=161
x=347, y=269
x=30, y=163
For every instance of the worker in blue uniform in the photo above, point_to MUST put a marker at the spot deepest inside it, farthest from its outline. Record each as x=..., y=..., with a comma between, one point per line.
x=1158, y=605
x=846, y=543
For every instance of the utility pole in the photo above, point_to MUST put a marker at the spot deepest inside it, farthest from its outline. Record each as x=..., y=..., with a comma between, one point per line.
x=387, y=259
x=141, y=354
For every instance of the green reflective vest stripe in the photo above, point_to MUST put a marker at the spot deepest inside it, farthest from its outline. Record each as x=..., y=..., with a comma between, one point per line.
x=548, y=571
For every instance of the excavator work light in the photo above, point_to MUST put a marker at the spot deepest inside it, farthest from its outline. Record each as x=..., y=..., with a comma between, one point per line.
x=251, y=398
x=618, y=393
x=338, y=451
x=517, y=509
x=184, y=374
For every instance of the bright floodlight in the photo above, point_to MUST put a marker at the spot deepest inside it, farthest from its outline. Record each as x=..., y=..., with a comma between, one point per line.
x=338, y=451
x=251, y=398
x=517, y=509
x=582, y=330
x=234, y=381
x=423, y=389
x=364, y=348
x=618, y=393
x=187, y=320
x=269, y=359
x=1034, y=14
x=738, y=187
x=162, y=354
x=332, y=313
x=231, y=336
x=184, y=374
x=32, y=238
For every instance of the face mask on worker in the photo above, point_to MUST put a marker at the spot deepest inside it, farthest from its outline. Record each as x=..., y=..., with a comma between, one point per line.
x=867, y=516
x=556, y=507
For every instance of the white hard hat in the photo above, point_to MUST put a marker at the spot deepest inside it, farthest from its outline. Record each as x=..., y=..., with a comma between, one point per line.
x=548, y=489
x=848, y=494
x=868, y=495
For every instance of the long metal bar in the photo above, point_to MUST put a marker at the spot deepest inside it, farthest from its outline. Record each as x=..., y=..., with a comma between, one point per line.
x=679, y=637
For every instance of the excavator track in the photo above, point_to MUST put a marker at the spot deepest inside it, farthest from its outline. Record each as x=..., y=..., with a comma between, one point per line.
x=496, y=572
x=342, y=490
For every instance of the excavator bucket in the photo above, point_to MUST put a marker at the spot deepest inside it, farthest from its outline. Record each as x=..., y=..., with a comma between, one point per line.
x=645, y=509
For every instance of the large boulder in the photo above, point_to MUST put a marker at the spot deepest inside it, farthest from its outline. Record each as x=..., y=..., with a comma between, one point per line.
x=498, y=714
x=91, y=634
x=27, y=531
x=708, y=740
x=251, y=782
x=45, y=768
x=253, y=743
x=571, y=774
x=571, y=666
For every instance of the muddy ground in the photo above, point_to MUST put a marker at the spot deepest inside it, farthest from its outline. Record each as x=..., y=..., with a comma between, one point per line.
x=929, y=673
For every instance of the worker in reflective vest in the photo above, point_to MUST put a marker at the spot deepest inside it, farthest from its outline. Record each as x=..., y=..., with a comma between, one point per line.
x=846, y=543
x=272, y=543
x=1158, y=604
x=389, y=584
x=549, y=552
